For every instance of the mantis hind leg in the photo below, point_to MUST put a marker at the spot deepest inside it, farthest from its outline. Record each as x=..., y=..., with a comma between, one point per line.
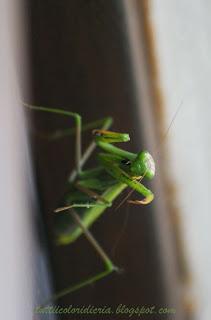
x=109, y=266
x=103, y=123
x=77, y=129
x=82, y=226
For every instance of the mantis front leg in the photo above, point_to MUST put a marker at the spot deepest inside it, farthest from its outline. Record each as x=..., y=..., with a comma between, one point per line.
x=121, y=175
x=139, y=165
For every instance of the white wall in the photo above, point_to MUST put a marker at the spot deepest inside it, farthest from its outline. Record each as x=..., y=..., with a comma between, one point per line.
x=15, y=225
x=183, y=43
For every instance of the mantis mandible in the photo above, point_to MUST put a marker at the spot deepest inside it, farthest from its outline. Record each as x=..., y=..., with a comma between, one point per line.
x=90, y=192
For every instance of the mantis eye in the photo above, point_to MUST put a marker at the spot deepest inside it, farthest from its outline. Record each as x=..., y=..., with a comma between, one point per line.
x=126, y=162
x=144, y=165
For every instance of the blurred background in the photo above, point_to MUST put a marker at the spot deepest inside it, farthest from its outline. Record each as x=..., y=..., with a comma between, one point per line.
x=146, y=64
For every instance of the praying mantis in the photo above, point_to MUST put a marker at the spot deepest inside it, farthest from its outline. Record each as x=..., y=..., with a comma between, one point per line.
x=91, y=191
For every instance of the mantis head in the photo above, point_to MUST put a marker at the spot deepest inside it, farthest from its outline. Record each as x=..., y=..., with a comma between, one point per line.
x=143, y=165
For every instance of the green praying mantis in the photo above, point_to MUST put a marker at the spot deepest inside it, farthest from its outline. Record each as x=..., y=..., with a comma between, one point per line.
x=90, y=192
